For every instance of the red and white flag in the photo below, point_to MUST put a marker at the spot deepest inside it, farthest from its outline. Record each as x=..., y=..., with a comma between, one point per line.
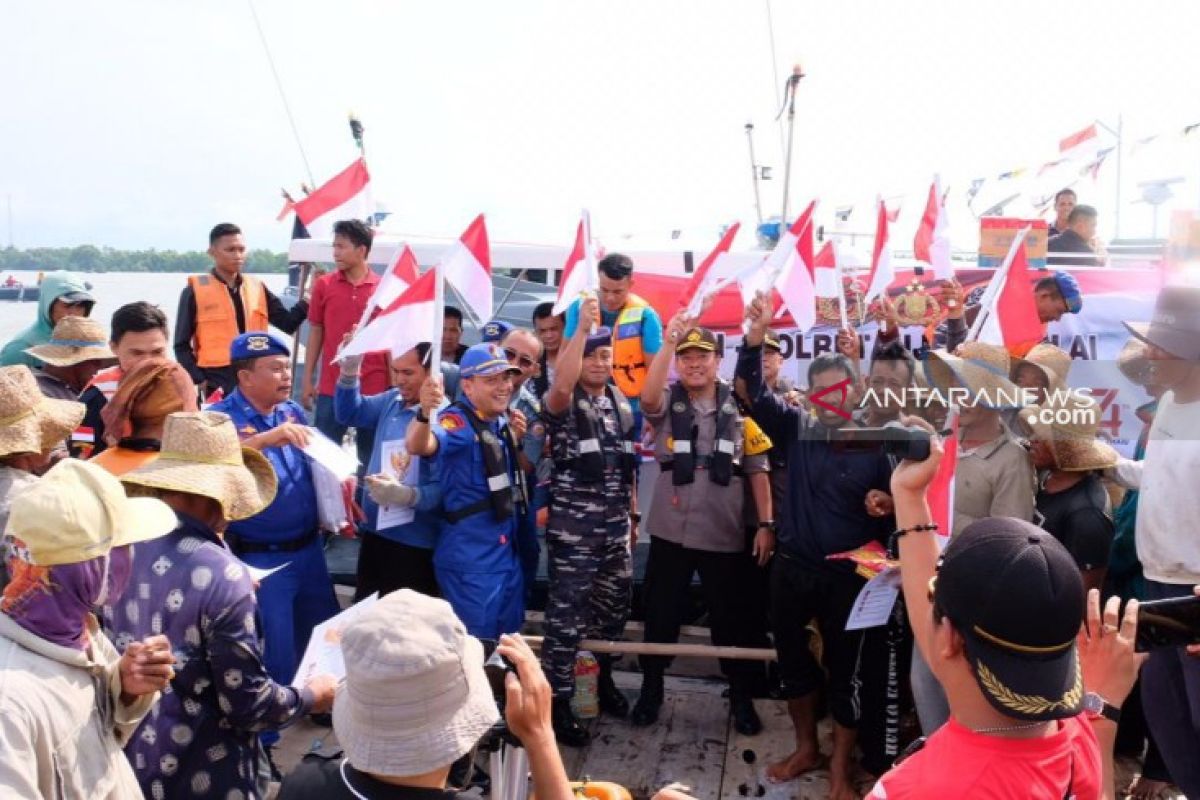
x=579, y=273
x=826, y=271
x=345, y=196
x=941, y=488
x=1008, y=313
x=882, y=271
x=400, y=274
x=467, y=266
x=932, y=242
x=401, y=325
x=707, y=280
x=788, y=271
x=1078, y=138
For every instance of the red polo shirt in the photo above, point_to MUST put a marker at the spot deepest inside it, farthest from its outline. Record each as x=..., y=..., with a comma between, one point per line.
x=337, y=306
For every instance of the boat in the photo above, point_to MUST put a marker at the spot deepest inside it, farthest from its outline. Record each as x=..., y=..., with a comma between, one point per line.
x=13, y=289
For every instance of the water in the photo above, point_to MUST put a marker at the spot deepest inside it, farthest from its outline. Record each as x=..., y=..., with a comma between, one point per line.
x=113, y=290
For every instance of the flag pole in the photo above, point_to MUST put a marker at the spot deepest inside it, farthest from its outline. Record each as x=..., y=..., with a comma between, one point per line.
x=841, y=284
x=996, y=285
x=589, y=256
x=439, y=315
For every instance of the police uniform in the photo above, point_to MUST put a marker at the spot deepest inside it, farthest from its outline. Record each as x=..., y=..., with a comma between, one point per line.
x=300, y=596
x=475, y=556
x=695, y=525
x=587, y=537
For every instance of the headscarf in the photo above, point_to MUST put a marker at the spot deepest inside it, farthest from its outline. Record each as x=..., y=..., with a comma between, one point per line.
x=149, y=392
x=54, y=602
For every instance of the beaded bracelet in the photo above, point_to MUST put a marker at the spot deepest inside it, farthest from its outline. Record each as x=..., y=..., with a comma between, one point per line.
x=893, y=549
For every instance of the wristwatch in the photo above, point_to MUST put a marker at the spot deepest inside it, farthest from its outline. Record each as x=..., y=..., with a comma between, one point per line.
x=769, y=524
x=420, y=416
x=1096, y=707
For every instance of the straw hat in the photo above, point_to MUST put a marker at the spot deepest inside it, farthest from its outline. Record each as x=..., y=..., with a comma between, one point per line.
x=77, y=512
x=1068, y=422
x=75, y=340
x=1053, y=361
x=982, y=369
x=1134, y=362
x=201, y=455
x=30, y=422
x=415, y=696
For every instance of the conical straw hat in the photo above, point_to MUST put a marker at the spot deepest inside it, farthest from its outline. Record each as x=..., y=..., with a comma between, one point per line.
x=1053, y=361
x=75, y=340
x=30, y=422
x=1068, y=423
x=201, y=455
x=982, y=369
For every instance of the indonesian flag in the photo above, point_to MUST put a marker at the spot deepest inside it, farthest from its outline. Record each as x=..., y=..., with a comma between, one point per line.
x=467, y=266
x=706, y=281
x=400, y=274
x=882, y=271
x=345, y=196
x=401, y=325
x=1077, y=138
x=826, y=272
x=932, y=242
x=787, y=271
x=579, y=273
x=941, y=490
x=1011, y=311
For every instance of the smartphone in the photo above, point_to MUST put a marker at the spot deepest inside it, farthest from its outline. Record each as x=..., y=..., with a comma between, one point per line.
x=496, y=667
x=1173, y=622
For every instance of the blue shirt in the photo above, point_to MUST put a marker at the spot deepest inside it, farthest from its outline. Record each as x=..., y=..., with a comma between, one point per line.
x=204, y=731
x=389, y=416
x=293, y=512
x=480, y=542
x=652, y=329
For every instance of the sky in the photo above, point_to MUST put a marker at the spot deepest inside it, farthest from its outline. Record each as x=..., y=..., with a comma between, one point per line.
x=141, y=123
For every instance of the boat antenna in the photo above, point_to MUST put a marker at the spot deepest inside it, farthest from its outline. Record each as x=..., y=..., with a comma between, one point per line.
x=282, y=95
x=774, y=68
x=789, y=99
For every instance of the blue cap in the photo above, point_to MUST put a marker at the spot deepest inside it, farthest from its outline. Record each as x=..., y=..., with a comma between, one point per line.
x=257, y=344
x=1068, y=287
x=602, y=337
x=495, y=330
x=484, y=359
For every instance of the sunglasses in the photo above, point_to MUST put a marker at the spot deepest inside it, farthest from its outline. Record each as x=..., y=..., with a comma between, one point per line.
x=522, y=361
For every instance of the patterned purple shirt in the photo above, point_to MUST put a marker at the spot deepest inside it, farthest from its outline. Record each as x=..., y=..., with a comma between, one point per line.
x=201, y=739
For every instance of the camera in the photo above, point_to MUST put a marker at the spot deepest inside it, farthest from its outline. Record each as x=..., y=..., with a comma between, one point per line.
x=892, y=439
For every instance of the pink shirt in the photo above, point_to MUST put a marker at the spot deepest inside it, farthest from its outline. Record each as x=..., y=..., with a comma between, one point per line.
x=337, y=305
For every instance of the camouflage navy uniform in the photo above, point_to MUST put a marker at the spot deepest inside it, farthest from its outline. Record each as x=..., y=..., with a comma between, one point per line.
x=587, y=537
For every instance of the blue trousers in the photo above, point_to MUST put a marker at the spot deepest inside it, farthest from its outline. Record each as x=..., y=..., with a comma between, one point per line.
x=488, y=603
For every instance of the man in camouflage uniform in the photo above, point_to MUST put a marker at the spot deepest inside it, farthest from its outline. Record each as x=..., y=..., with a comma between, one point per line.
x=591, y=429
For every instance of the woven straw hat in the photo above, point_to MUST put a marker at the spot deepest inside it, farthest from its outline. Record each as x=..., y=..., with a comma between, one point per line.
x=201, y=455
x=30, y=422
x=75, y=340
x=415, y=696
x=1053, y=361
x=77, y=512
x=982, y=369
x=1134, y=362
x=1068, y=422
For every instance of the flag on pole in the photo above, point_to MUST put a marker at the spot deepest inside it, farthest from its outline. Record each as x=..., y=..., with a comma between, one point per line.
x=401, y=325
x=932, y=242
x=1008, y=312
x=1077, y=138
x=786, y=271
x=467, y=266
x=941, y=488
x=882, y=271
x=345, y=196
x=705, y=280
x=826, y=277
x=400, y=274
x=579, y=273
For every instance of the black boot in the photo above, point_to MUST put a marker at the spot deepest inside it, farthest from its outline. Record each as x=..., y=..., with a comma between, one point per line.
x=745, y=718
x=612, y=702
x=645, y=711
x=567, y=729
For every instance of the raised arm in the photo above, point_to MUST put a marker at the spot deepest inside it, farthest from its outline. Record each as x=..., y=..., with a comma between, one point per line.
x=420, y=439
x=774, y=415
x=570, y=361
x=660, y=367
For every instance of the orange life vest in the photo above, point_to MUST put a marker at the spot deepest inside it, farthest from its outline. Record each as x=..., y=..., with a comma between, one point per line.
x=630, y=364
x=216, y=320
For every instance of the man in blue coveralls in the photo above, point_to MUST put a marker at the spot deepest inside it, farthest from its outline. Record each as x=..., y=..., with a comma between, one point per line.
x=403, y=493
x=473, y=444
x=300, y=596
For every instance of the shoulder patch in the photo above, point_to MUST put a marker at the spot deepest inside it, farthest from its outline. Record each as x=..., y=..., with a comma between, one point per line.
x=756, y=442
x=451, y=421
x=248, y=430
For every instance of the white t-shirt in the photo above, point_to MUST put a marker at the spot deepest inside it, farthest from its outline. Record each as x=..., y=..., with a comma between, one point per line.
x=1168, y=541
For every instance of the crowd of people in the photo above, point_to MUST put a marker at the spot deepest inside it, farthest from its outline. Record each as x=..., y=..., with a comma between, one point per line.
x=165, y=560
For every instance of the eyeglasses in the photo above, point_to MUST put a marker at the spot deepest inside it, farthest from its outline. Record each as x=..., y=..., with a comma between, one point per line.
x=521, y=360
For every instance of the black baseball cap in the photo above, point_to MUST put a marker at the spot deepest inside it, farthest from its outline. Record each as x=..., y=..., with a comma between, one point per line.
x=1015, y=595
x=697, y=339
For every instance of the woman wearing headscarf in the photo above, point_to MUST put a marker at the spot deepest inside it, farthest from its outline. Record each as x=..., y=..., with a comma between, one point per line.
x=68, y=700
x=135, y=416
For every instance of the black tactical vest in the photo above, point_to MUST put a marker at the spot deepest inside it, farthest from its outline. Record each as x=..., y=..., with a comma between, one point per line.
x=495, y=466
x=683, y=428
x=589, y=464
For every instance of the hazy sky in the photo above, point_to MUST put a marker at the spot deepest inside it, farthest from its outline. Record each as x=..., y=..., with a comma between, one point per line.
x=141, y=124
